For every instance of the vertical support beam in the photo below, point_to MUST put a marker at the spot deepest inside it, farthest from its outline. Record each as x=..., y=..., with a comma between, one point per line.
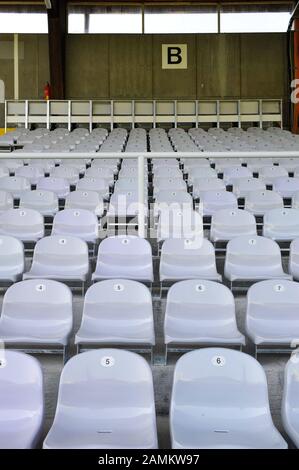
x=16, y=66
x=295, y=128
x=141, y=211
x=57, y=30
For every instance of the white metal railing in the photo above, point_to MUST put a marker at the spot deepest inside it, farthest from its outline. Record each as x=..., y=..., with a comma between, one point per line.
x=141, y=156
x=137, y=111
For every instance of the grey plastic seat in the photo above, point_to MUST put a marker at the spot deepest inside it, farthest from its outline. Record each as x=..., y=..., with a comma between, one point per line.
x=253, y=258
x=227, y=224
x=59, y=258
x=22, y=400
x=37, y=312
x=188, y=259
x=6, y=201
x=88, y=200
x=214, y=201
x=272, y=316
x=105, y=401
x=117, y=311
x=259, y=202
x=290, y=399
x=220, y=401
x=126, y=257
x=24, y=224
x=15, y=185
x=281, y=224
x=45, y=202
x=59, y=186
x=79, y=223
x=201, y=313
x=12, y=259
x=294, y=259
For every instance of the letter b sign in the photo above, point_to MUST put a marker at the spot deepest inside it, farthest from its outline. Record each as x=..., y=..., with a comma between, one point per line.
x=174, y=56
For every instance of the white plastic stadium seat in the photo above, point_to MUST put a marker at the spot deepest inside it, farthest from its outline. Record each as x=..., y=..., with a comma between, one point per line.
x=45, y=202
x=294, y=259
x=89, y=200
x=12, y=259
x=253, y=258
x=15, y=185
x=259, y=202
x=6, y=201
x=220, y=401
x=290, y=399
x=281, y=224
x=114, y=388
x=126, y=257
x=99, y=185
x=179, y=224
x=214, y=201
x=243, y=186
x=79, y=223
x=58, y=186
x=272, y=313
x=200, y=313
x=24, y=224
x=37, y=312
x=61, y=258
x=22, y=400
x=227, y=224
x=286, y=186
x=117, y=311
x=188, y=259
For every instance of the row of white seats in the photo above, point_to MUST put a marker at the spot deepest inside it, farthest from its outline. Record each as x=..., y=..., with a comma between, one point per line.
x=106, y=400
x=28, y=224
x=120, y=312
x=63, y=257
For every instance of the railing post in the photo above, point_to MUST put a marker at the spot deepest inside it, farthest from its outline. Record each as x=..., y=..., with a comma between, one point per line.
x=141, y=212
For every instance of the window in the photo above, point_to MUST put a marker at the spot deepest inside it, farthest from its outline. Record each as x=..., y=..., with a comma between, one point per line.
x=198, y=19
x=76, y=23
x=265, y=18
x=23, y=19
x=103, y=20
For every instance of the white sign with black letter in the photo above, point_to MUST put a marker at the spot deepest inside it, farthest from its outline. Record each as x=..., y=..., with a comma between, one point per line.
x=174, y=56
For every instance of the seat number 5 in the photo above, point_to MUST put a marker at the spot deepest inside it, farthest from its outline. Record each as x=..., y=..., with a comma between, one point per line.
x=107, y=361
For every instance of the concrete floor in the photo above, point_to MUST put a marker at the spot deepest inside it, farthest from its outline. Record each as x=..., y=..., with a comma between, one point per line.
x=273, y=365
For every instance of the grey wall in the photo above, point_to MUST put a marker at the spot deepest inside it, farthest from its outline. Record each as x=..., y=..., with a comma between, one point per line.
x=126, y=66
x=219, y=66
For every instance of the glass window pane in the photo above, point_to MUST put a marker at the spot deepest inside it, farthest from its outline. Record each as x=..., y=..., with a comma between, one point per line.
x=254, y=22
x=115, y=23
x=76, y=23
x=23, y=23
x=180, y=20
x=255, y=18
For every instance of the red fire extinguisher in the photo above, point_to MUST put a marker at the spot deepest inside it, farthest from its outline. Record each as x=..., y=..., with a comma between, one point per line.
x=47, y=91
